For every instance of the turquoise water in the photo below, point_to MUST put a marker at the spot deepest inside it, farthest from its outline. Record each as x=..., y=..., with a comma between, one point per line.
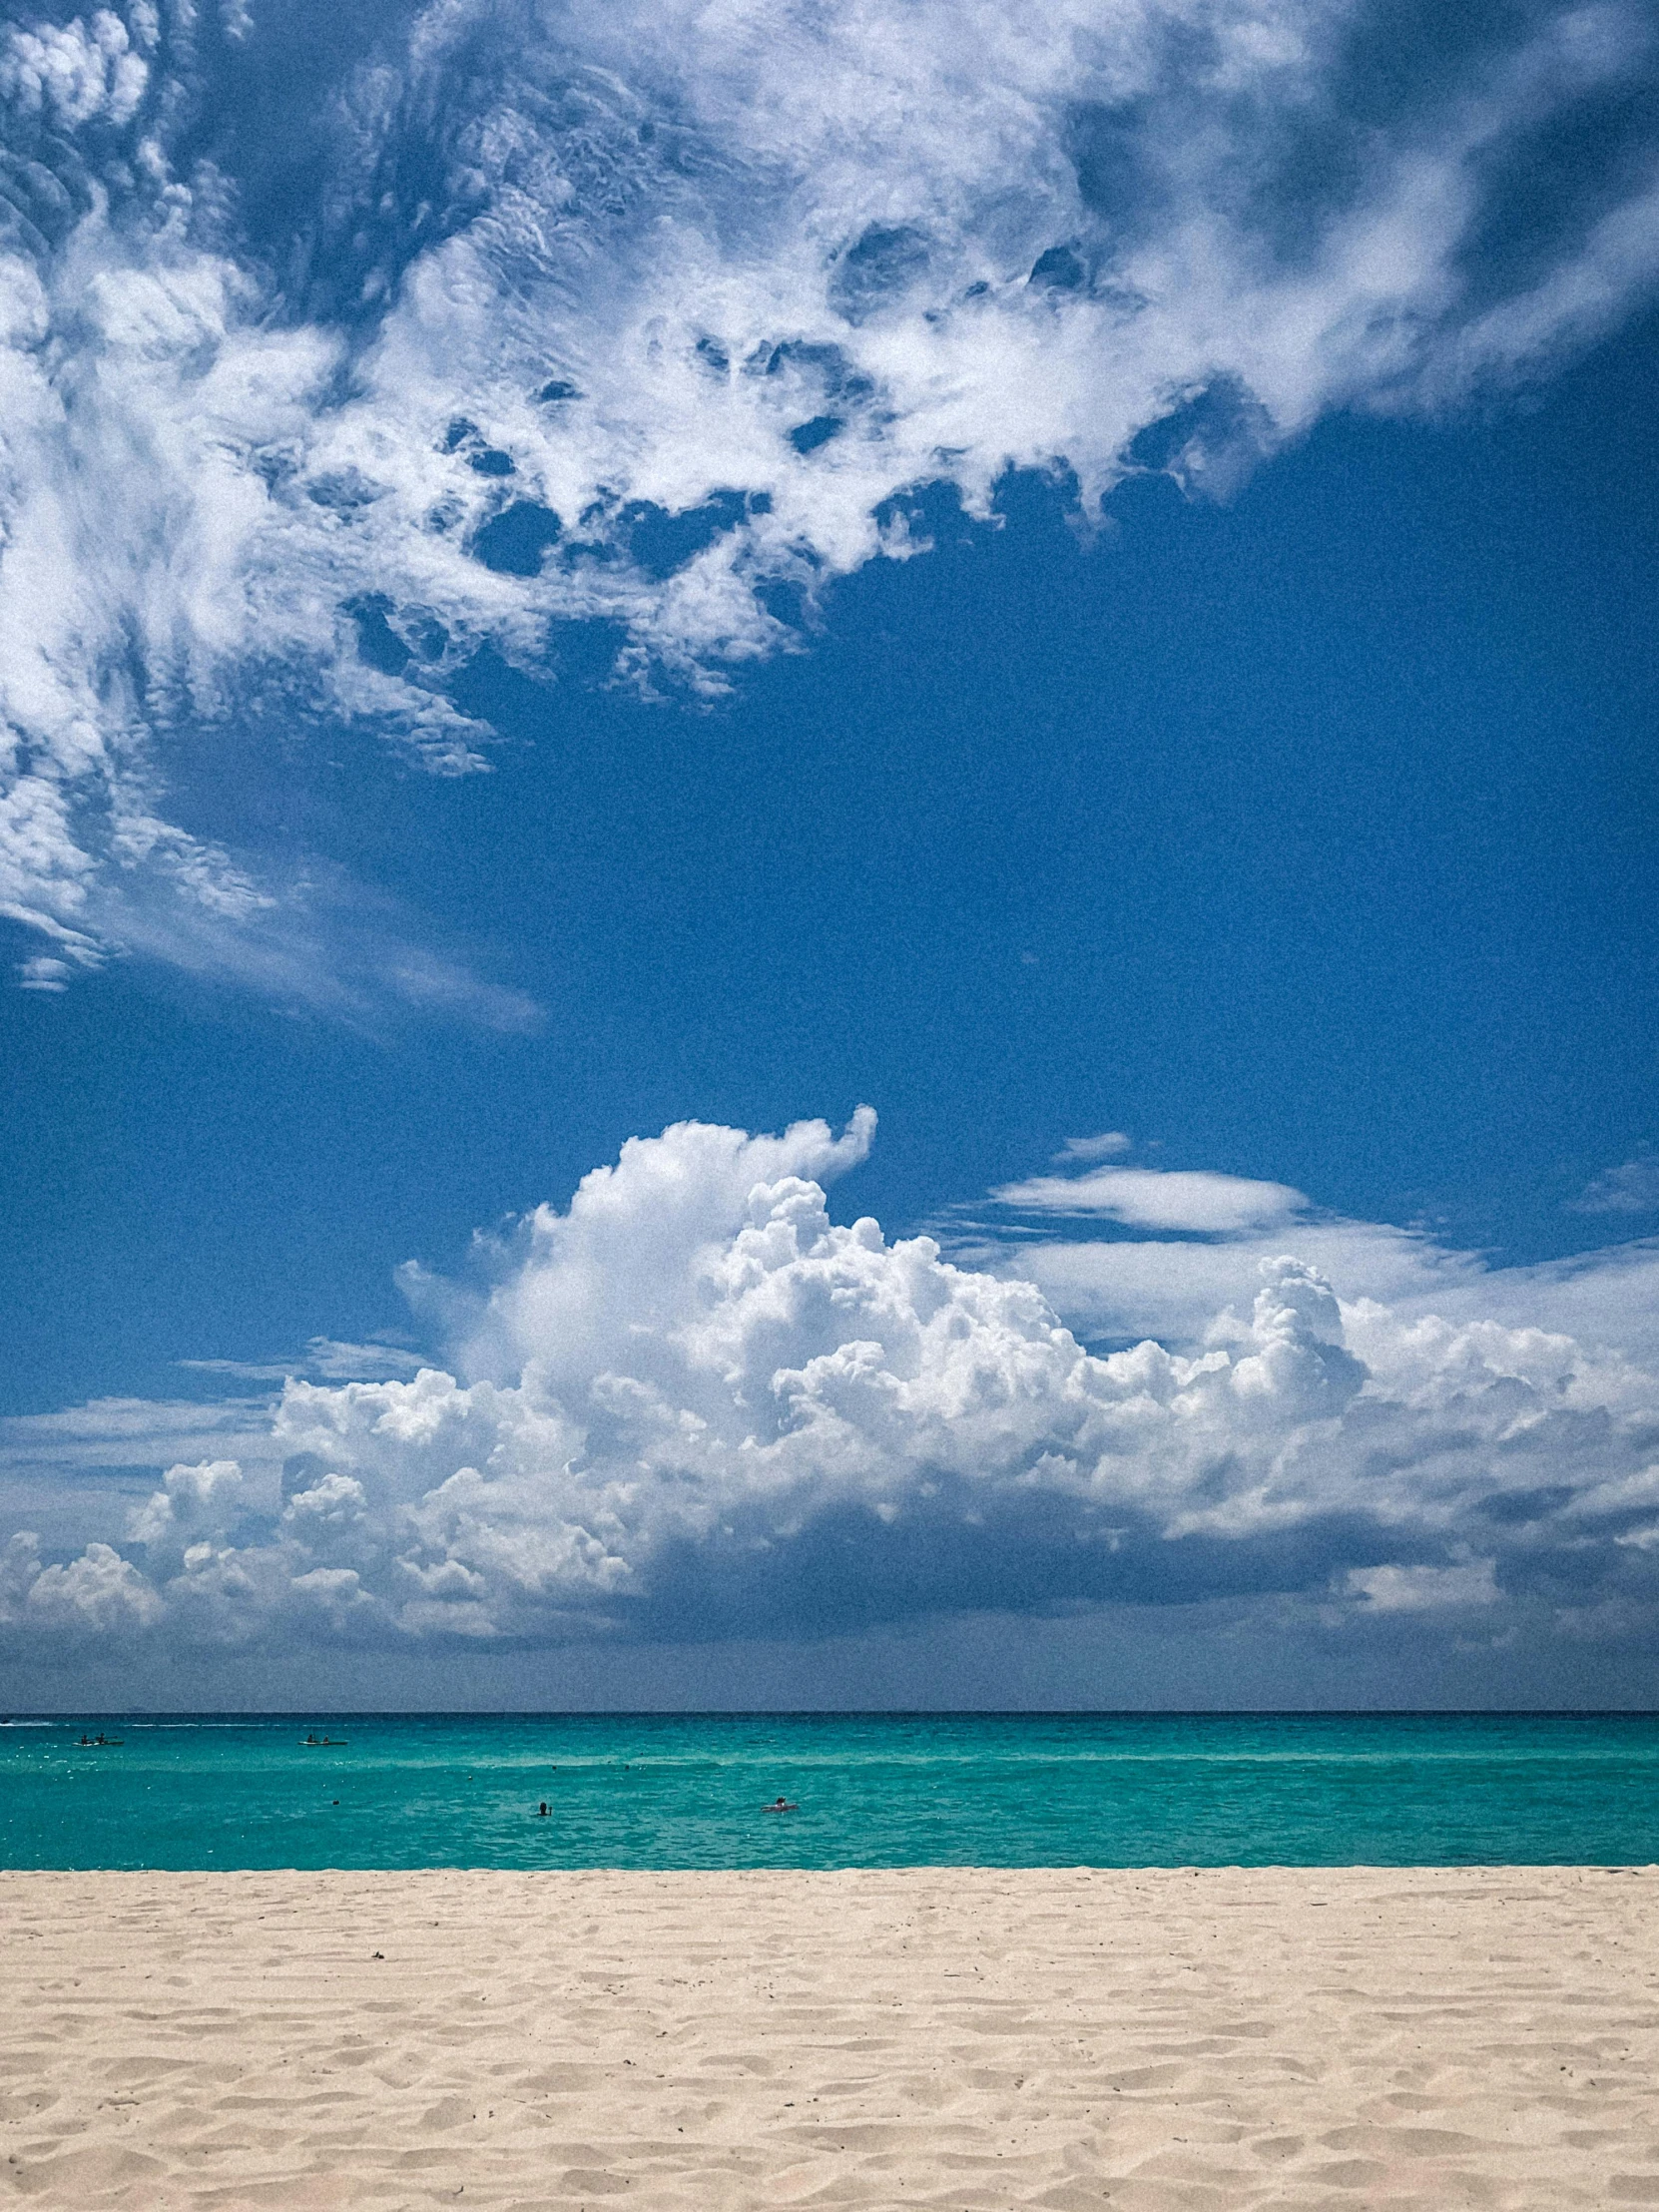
x=872, y=1791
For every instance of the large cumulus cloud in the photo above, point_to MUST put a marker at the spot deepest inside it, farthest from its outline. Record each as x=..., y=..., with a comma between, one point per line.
x=694, y=1405
x=321, y=371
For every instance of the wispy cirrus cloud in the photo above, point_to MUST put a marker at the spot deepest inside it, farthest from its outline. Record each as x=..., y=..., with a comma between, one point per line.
x=330, y=1358
x=135, y=1432
x=321, y=373
x=1632, y=1187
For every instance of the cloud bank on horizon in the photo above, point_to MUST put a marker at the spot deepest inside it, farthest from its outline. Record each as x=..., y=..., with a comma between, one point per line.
x=692, y=1407
x=324, y=371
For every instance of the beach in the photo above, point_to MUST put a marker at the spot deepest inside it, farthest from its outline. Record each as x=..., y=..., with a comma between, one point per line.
x=1148, y=2040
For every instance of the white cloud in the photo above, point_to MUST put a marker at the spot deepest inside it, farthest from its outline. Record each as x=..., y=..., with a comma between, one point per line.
x=1103, y=1147
x=1605, y=1296
x=1158, y=1198
x=1181, y=1292
x=768, y=272
x=189, y=1498
x=1630, y=1189
x=99, y=1592
x=1425, y=1589
x=1174, y=1290
x=74, y=72
x=691, y=1404
x=43, y=973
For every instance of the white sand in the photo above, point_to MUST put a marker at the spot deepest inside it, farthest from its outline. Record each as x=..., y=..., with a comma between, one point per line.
x=1154, y=2042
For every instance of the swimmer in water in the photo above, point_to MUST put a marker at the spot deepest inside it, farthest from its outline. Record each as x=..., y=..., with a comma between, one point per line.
x=541, y=1809
x=783, y=1804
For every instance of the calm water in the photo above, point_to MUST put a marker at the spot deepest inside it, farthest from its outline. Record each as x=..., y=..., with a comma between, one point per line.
x=873, y=1790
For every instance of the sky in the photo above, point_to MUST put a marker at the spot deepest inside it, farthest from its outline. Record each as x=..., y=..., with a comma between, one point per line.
x=826, y=852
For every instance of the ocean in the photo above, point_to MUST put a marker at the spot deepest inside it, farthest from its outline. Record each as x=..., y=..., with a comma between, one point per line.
x=889, y=1790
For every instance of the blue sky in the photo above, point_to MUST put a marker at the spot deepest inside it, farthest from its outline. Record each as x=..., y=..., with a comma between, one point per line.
x=1088, y=588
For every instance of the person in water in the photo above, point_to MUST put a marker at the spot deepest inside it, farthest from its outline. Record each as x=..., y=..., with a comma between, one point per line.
x=783, y=1804
x=541, y=1809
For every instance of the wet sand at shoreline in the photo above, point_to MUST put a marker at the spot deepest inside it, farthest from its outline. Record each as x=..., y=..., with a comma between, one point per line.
x=1149, y=2041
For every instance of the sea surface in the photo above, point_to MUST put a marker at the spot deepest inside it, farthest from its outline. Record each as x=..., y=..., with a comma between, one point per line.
x=1112, y=1790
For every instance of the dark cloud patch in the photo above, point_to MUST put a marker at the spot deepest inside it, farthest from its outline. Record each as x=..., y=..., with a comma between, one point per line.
x=1060, y=268
x=661, y=542
x=1399, y=63
x=806, y=437
x=516, y=541
x=877, y=269
x=1543, y=190
x=378, y=641
x=1211, y=444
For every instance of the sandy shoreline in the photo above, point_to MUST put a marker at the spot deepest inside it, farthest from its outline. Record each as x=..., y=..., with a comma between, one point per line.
x=1149, y=2041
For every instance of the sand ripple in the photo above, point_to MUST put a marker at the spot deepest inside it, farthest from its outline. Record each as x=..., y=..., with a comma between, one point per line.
x=1143, y=2042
